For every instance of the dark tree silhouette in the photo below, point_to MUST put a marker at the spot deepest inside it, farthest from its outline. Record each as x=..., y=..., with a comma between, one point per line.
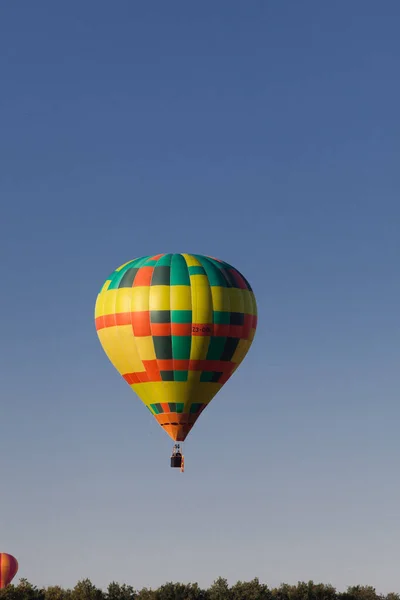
x=219, y=590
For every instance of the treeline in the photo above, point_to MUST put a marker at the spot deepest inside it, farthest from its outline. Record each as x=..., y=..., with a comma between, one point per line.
x=219, y=590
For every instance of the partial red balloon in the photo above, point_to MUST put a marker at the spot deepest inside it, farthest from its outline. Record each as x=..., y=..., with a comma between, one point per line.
x=8, y=569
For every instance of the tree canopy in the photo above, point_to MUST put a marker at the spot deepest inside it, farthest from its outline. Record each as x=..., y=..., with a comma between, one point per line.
x=219, y=590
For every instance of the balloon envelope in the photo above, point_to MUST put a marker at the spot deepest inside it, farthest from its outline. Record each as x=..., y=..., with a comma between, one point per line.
x=176, y=326
x=8, y=569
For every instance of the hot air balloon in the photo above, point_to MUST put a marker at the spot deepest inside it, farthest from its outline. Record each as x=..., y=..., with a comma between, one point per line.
x=176, y=327
x=8, y=569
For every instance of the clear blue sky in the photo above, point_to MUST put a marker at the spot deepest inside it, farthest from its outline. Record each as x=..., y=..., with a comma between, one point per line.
x=263, y=133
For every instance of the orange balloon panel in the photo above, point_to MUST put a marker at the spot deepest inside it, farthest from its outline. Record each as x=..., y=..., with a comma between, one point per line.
x=176, y=327
x=8, y=569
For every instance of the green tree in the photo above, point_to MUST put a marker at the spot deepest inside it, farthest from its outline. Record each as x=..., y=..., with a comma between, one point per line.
x=301, y=591
x=146, y=594
x=250, y=590
x=323, y=591
x=180, y=591
x=304, y=591
x=171, y=591
x=115, y=591
x=282, y=592
x=29, y=591
x=23, y=591
x=219, y=590
x=195, y=592
x=55, y=592
x=359, y=592
x=85, y=590
x=11, y=592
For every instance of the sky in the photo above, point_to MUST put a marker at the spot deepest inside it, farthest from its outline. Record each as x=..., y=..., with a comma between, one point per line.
x=263, y=133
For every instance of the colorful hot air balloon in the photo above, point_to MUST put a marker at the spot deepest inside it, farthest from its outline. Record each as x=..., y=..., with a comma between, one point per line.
x=8, y=569
x=176, y=326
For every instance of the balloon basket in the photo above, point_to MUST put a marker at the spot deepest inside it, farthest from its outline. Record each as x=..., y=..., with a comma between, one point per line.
x=177, y=458
x=176, y=462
